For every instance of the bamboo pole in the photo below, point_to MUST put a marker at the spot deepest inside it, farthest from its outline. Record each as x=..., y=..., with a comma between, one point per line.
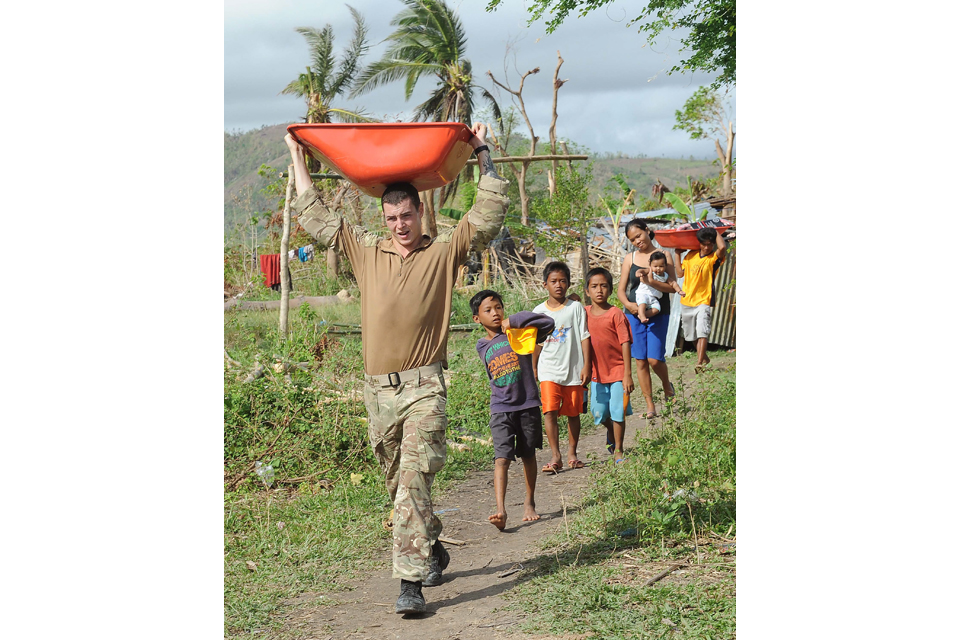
x=473, y=161
x=584, y=262
x=331, y=176
x=285, y=259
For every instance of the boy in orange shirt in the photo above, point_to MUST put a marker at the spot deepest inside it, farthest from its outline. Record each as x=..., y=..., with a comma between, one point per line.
x=612, y=380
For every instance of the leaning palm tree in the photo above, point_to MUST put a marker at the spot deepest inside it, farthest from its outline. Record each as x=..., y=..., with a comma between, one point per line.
x=429, y=40
x=324, y=79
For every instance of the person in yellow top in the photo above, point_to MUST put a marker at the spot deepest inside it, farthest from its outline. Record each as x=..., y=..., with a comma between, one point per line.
x=697, y=270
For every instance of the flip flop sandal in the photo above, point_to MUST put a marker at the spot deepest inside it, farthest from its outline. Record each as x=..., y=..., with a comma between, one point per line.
x=650, y=415
x=552, y=467
x=575, y=464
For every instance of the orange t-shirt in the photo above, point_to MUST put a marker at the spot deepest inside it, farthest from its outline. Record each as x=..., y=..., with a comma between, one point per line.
x=607, y=333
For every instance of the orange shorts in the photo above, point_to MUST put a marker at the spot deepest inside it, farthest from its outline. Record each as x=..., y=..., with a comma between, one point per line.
x=568, y=400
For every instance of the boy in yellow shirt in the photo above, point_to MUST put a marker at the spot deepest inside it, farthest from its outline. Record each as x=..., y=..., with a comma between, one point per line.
x=698, y=270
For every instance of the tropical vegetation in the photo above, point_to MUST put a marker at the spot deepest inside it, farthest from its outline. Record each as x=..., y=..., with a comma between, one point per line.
x=711, y=39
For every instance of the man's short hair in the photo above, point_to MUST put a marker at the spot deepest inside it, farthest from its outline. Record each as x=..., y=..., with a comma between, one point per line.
x=478, y=299
x=399, y=192
x=600, y=271
x=658, y=255
x=556, y=265
x=707, y=235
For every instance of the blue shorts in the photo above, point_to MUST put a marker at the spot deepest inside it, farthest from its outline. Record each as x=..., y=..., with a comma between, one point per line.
x=650, y=339
x=606, y=402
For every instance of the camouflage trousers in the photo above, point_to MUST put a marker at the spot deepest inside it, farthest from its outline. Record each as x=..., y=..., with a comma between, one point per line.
x=407, y=427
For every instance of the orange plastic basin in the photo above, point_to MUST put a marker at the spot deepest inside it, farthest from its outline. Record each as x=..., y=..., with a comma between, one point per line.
x=372, y=155
x=681, y=238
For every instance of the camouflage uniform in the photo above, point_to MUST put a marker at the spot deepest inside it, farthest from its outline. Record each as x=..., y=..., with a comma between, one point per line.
x=405, y=306
x=408, y=434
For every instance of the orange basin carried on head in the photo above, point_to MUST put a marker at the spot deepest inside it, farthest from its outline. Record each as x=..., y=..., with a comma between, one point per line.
x=681, y=238
x=372, y=155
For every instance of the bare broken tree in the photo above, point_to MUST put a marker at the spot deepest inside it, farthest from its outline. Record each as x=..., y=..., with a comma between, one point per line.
x=524, y=164
x=557, y=83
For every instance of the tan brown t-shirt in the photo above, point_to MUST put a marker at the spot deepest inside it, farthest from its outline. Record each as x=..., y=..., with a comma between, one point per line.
x=405, y=303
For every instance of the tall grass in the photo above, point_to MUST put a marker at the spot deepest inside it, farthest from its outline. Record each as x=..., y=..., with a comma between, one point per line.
x=319, y=527
x=674, y=499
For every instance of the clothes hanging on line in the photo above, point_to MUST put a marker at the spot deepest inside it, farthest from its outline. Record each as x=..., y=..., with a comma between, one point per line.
x=302, y=254
x=270, y=267
x=305, y=253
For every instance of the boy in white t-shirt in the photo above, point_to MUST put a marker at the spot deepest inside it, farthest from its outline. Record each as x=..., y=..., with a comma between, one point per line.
x=562, y=365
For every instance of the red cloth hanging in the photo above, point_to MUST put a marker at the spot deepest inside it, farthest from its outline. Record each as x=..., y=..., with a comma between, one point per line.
x=270, y=266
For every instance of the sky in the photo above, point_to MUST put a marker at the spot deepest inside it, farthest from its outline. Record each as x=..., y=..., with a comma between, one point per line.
x=618, y=97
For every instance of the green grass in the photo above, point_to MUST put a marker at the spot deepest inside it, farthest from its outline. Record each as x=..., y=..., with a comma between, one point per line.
x=634, y=522
x=320, y=534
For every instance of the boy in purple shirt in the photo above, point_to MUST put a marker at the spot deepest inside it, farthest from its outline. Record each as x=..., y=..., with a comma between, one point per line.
x=515, y=424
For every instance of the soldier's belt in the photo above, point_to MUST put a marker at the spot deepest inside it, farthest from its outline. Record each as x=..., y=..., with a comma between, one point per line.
x=396, y=378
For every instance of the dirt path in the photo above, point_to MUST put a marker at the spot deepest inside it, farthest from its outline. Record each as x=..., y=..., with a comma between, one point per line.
x=463, y=606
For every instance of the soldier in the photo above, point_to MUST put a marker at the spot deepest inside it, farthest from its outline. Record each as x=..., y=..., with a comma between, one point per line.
x=406, y=289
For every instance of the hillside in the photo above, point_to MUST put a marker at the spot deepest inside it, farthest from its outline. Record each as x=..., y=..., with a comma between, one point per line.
x=243, y=153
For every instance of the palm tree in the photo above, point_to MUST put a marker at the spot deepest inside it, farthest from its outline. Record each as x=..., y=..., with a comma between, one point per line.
x=429, y=40
x=324, y=80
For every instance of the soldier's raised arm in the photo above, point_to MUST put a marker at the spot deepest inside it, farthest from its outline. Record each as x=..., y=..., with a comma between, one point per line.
x=489, y=209
x=328, y=227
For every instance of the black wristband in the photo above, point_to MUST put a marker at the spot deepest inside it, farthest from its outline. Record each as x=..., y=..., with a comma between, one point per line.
x=482, y=147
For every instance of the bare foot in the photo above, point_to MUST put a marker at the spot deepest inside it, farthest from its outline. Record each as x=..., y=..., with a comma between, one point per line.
x=530, y=513
x=499, y=520
x=644, y=319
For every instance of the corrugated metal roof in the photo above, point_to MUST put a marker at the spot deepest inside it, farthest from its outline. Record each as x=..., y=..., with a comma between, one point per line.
x=723, y=329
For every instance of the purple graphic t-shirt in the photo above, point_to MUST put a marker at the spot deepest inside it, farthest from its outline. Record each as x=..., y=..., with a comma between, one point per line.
x=512, y=385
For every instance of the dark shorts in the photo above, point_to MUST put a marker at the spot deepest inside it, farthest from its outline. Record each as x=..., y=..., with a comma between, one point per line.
x=516, y=433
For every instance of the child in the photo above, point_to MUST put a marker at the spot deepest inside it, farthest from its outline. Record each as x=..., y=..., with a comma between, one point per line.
x=648, y=298
x=612, y=376
x=514, y=403
x=696, y=308
x=562, y=364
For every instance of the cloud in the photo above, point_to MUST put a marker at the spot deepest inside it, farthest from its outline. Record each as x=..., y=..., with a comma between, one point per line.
x=618, y=97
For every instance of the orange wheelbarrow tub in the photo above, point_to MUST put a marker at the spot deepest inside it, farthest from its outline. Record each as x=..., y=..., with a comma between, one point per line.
x=372, y=155
x=681, y=238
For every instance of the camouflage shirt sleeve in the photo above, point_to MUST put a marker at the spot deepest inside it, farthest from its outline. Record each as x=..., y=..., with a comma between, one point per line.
x=330, y=229
x=482, y=223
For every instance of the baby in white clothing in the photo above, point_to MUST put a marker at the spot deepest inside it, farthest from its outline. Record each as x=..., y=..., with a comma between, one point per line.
x=648, y=298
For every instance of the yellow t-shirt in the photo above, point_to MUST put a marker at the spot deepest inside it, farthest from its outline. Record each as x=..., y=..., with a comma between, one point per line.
x=698, y=278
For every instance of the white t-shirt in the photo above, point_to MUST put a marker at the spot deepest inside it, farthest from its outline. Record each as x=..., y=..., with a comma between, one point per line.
x=561, y=359
x=646, y=294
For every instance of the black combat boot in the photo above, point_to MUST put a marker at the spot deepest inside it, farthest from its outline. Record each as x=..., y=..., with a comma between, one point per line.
x=439, y=560
x=411, y=598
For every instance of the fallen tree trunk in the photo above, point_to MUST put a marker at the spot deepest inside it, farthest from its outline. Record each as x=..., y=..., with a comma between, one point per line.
x=313, y=301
